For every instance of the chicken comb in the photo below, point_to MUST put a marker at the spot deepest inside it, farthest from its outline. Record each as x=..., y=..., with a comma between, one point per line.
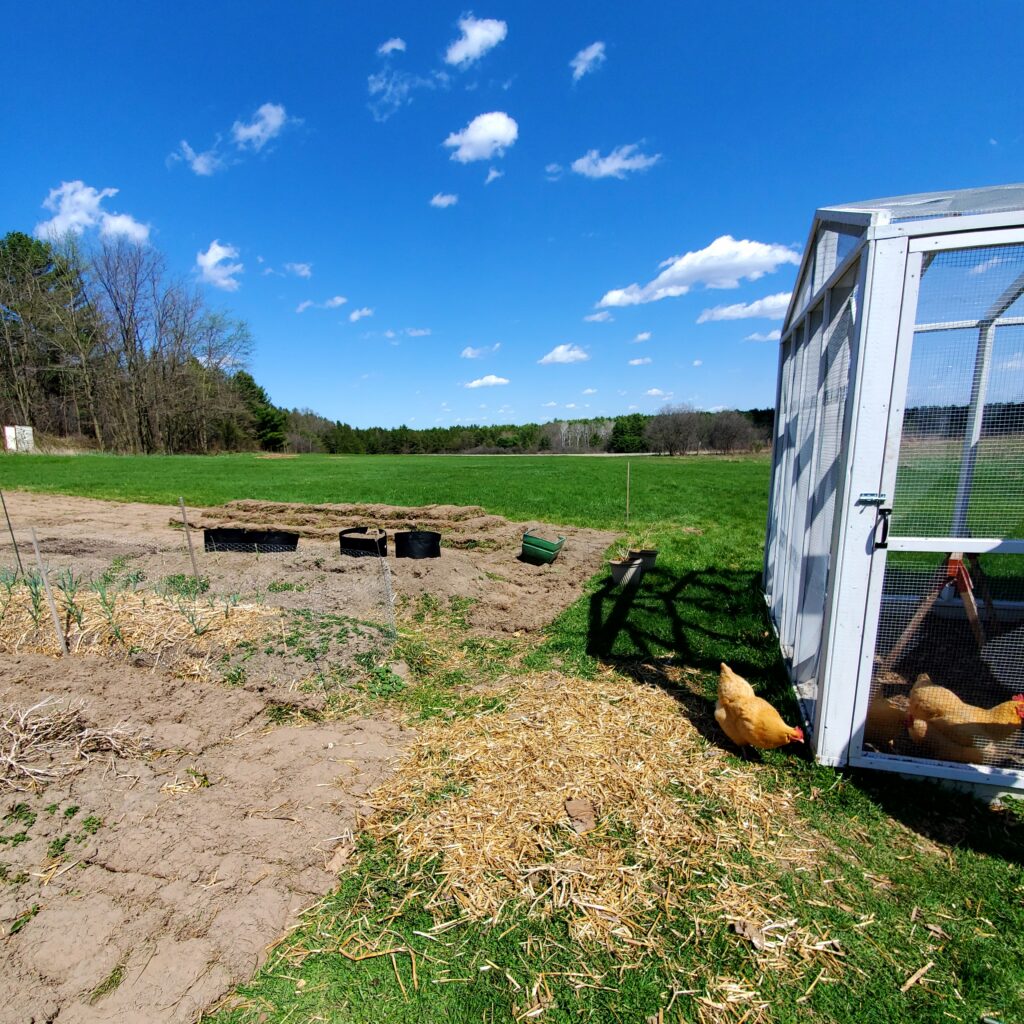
x=1018, y=699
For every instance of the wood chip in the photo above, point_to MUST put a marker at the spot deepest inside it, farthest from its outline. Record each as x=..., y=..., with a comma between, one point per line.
x=582, y=815
x=917, y=976
x=749, y=931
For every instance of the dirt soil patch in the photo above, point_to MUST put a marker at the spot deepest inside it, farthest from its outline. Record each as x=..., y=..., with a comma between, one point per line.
x=141, y=889
x=141, y=883
x=479, y=557
x=479, y=554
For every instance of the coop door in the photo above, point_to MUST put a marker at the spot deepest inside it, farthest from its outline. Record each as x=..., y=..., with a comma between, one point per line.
x=946, y=604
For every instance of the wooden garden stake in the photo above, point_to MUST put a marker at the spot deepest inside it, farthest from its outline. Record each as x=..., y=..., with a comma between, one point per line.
x=188, y=537
x=17, y=553
x=49, y=597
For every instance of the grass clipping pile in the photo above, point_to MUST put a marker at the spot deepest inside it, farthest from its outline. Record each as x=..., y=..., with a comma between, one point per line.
x=179, y=632
x=598, y=799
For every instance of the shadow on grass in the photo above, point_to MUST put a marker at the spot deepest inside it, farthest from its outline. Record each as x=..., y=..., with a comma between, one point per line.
x=674, y=630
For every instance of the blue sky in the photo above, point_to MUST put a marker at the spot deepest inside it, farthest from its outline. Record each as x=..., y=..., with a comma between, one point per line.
x=652, y=166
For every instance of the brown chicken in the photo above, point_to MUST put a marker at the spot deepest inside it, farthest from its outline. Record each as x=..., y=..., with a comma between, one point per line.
x=748, y=720
x=951, y=730
x=886, y=722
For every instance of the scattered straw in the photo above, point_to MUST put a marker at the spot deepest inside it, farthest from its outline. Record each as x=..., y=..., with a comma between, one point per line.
x=489, y=795
x=53, y=739
x=133, y=621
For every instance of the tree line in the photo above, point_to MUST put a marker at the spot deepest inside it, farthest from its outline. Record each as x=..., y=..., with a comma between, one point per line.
x=675, y=430
x=105, y=346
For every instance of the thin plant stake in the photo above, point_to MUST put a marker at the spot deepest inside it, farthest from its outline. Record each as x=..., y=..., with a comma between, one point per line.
x=188, y=537
x=49, y=596
x=17, y=553
x=627, y=495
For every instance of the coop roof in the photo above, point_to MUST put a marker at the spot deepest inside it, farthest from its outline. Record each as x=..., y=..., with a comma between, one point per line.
x=925, y=205
x=838, y=231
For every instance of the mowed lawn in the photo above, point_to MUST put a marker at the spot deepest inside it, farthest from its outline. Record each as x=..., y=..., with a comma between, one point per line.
x=908, y=877
x=585, y=491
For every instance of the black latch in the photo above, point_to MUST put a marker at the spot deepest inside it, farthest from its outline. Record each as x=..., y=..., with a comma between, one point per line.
x=883, y=518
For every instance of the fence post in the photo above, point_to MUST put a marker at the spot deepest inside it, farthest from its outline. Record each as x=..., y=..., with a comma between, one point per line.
x=49, y=596
x=188, y=537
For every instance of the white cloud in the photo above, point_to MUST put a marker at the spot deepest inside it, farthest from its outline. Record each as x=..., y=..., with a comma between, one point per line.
x=599, y=318
x=493, y=175
x=657, y=393
x=391, y=46
x=984, y=268
x=358, y=314
x=332, y=303
x=564, y=354
x=590, y=58
x=442, y=200
x=771, y=307
x=554, y=171
x=300, y=269
x=267, y=124
x=759, y=336
x=570, y=405
x=550, y=405
x=643, y=336
x=486, y=136
x=391, y=90
x=489, y=381
x=203, y=164
x=215, y=266
x=590, y=391
x=616, y=164
x=723, y=264
x=418, y=332
x=477, y=353
x=113, y=225
x=642, y=361
x=478, y=36
x=77, y=206
x=698, y=362
x=390, y=334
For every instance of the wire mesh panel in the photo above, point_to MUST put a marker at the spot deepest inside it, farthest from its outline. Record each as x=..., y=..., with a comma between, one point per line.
x=948, y=674
x=961, y=459
x=947, y=678
x=832, y=392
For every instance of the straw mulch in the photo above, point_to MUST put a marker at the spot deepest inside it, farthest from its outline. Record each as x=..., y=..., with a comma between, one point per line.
x=53, y=739
x=179, y=631
x=677, y=827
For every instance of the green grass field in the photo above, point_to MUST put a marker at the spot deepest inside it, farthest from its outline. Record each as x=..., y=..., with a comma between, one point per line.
x=910, y=875
x=577, y=490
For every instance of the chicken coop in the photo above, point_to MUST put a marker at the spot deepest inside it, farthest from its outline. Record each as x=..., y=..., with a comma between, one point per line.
x=894, y=562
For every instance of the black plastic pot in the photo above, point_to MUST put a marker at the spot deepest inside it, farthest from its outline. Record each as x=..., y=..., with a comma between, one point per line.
x=417, y=544
x=355, y=542
x=224, y=538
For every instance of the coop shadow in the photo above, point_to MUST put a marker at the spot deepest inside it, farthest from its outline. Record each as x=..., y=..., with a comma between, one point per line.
x=945, y=816
x=676, y=628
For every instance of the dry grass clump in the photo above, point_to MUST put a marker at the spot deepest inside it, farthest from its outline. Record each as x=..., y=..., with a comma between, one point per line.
x=53, y=739
x=648, y=801
x=109, y=620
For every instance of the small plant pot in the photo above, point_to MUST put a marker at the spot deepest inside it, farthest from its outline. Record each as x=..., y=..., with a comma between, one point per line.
x=626, y=572
x=540, y=551
x=417, y=544
x=225, y=538
x=646, y=555
x=358, y=541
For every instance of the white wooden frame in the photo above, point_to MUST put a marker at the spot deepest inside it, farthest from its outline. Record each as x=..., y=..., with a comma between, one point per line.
x=890, y=258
